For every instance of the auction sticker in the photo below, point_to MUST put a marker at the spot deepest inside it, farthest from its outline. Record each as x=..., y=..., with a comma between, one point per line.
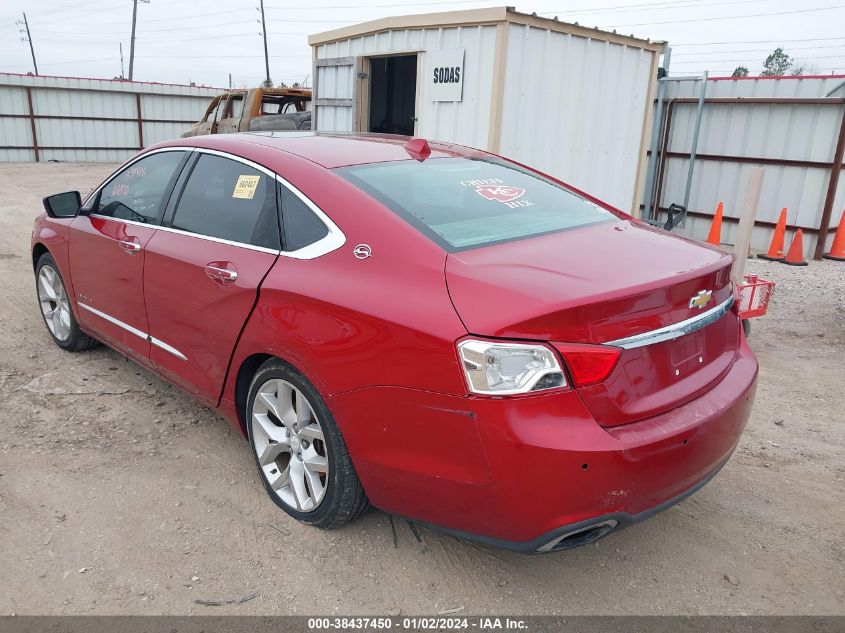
x=246, y=187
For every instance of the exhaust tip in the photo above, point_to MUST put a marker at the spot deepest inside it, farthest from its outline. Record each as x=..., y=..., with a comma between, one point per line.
x=582, y=536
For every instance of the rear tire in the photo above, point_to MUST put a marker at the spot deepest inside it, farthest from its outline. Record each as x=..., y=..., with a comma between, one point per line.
x=56, y=309
x=300, y=453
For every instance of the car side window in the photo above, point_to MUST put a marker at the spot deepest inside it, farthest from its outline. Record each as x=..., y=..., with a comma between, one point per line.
x=227, y=199
x=137, y=193
x=301, y=225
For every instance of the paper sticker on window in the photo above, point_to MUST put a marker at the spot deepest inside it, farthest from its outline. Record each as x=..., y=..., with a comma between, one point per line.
x=246, y=187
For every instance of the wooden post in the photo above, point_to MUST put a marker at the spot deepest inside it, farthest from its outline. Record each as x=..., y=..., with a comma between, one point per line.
x=748, y=214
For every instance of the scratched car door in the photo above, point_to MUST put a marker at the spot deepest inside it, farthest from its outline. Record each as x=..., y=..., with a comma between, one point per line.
x=219, y=239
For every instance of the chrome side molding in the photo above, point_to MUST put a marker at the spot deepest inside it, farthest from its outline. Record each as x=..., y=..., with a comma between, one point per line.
x=135, y=331
x=677, y=330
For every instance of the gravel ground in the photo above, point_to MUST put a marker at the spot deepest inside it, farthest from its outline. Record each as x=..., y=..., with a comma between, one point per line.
x=119, y=494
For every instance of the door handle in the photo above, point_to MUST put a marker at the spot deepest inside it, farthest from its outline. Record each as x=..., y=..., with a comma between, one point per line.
x=131, y=246
x=221, y=273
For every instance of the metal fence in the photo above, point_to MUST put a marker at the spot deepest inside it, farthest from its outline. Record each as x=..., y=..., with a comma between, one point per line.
x=793, y=127
x=73, y=119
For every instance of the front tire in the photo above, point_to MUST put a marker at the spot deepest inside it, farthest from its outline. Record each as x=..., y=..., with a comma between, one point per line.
x=55, y=307
x=300, y=453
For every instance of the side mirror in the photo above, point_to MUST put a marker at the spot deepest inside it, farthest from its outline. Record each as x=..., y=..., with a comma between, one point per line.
x=63, y=205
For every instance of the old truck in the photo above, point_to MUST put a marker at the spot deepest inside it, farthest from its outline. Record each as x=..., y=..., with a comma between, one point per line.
x=255, y=109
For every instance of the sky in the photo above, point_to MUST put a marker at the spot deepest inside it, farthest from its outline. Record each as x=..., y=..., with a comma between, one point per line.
x=182, y=41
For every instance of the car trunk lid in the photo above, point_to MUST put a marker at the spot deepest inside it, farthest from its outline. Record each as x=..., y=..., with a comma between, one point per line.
x=604, y=283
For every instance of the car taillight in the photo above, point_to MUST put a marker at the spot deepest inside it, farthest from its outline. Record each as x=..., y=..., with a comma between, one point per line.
x=588, y=364
x=503, y=369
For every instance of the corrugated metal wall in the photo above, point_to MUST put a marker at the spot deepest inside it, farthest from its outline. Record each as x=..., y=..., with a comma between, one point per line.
x=91, y=119
x=575, y=108
x=466, y=121
x=335, y=82
x=784, y=132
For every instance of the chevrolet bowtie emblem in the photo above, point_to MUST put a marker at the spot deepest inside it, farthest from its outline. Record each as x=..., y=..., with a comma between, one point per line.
x=701, y=299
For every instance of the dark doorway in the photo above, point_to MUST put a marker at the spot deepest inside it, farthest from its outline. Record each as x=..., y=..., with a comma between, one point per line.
x=393, y=93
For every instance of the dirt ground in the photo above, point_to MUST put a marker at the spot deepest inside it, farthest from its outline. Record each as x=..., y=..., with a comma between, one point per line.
x=119, y=494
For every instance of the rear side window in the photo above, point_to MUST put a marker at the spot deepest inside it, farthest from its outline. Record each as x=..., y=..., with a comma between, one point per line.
x=137, y=193
x=463, y=203
x=301, y=226
x=229, y=200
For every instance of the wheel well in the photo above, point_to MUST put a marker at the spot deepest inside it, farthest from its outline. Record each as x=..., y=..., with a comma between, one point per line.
x=245, y=373
x=37, y=251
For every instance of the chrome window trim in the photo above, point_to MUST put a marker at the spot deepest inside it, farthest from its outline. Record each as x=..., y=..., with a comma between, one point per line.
x=134, y=330
x=677, y=330
x=334, y=239
x=331, y=242
x=208, y=238
x=127, y=164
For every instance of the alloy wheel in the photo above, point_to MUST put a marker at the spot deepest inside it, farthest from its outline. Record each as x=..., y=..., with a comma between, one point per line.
x=289, y=443
x=54, y=302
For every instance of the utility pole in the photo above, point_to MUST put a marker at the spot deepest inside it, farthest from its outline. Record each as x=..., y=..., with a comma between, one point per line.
x=267, y=82
x=132, y=41
x=29, y=39
x=122, y=76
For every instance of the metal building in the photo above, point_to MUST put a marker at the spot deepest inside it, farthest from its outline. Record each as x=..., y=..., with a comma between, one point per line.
x=45, y=118
x=572, y=101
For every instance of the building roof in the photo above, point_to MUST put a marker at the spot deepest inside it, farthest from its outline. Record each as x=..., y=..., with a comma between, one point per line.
x=492, y=15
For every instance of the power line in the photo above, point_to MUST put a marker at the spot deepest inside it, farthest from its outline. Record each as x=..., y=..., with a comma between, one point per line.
x=734, y=17
x=656, y=6
x=802, y=39
x=358, y=7
x=755, y=50
x=751, y=59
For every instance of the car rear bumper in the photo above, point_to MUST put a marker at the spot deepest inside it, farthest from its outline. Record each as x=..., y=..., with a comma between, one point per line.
x=523, y=472
x=582, y=532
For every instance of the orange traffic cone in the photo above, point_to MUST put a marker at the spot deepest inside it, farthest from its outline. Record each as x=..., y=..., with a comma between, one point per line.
x=837, y=251
x=775, y=253
x=715, y=235
x=795, y=256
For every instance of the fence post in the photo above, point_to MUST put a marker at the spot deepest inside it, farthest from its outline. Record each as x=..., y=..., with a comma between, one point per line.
x=32, y=125
x=833, y=183
x=140, y=121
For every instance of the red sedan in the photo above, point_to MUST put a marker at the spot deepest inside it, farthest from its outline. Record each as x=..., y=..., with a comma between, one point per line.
x=437, y=331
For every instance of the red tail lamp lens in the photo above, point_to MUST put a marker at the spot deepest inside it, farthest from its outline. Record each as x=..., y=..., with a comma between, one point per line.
x=588, y=364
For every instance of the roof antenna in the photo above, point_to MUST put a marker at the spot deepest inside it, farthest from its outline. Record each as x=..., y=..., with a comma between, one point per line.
x=418, y=149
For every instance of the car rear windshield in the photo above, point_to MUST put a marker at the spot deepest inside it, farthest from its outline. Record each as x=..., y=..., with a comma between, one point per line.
x=463, y=203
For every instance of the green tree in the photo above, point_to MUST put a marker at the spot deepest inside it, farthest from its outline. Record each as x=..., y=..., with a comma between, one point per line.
x=777, y=64
x=740, y=71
